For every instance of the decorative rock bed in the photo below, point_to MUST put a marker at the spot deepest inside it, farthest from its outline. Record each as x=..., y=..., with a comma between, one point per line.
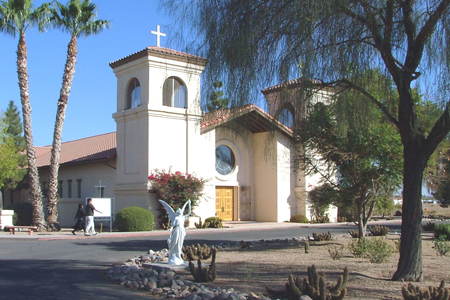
x=166, y=283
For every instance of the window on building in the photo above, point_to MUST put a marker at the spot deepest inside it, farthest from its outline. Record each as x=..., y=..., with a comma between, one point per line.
x=79, y=188
x=225, y=160
x=69, y=188
x=60, y=188
x=286, y=117
x=174, y=93
x=134, y=94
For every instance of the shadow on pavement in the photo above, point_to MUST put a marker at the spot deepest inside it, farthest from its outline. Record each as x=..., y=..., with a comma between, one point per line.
x=49, y=279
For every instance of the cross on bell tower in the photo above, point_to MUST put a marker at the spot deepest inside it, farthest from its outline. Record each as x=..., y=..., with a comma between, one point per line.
x=158, y=34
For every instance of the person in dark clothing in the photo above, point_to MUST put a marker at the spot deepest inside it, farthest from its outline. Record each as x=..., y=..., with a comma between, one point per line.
x=90, y=217
x=79, y=217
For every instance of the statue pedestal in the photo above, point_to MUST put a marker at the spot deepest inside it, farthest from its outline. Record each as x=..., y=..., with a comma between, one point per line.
x=6, y=217
x=162, y=265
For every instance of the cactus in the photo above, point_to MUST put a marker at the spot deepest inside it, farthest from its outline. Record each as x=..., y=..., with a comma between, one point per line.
x=199, y=224
x=379, y=230
x=204, y=274
x=322, y=236
x=212, y=222
x=315, y=286
x=306, y=247
x=354, y=233
x=196, y=252
x=411, y=292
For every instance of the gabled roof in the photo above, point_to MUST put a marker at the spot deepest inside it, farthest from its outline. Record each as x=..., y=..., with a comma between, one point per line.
x=159, y=51
x=94, y=148
x=251, y=116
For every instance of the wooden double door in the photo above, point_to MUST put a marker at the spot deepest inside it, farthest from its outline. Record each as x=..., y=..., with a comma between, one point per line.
x=224, y=202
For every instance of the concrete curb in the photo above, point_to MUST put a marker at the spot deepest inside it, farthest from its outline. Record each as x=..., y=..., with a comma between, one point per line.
x=65, y=234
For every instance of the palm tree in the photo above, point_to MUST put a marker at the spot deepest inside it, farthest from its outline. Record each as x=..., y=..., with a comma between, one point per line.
x=16, y=18
x=78, y=19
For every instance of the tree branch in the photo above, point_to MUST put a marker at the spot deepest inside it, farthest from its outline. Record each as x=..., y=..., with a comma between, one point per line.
x=439, y=131
x=364, y=92
x=424, y=34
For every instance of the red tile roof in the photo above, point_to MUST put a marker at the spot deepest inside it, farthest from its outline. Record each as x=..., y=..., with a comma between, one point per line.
x=251, y=116
x=103, y=147
x=99, y=147
x=159, y=51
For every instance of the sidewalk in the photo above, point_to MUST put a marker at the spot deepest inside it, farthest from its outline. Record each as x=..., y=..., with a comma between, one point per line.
x=66, y=233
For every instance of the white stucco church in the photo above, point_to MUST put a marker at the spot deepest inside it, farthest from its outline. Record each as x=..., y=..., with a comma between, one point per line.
x=247, y=154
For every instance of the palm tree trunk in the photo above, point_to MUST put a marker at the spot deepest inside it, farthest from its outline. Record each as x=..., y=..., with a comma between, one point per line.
x=36, y=195
x=69, y=70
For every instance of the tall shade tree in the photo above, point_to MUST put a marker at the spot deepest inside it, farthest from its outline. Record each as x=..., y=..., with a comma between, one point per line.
x=14, y=130
x=357, y=156
x=16, y=18
x=251, y=44
x=78, y=18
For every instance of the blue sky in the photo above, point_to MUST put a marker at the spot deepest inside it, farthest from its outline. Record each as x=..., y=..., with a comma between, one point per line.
x=93, y=96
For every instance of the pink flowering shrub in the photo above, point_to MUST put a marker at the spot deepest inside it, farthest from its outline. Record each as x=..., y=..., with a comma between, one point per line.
x=176, y=188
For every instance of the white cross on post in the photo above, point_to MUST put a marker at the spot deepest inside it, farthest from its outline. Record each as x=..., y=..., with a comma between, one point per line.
x=159, y=34
x=100, y=186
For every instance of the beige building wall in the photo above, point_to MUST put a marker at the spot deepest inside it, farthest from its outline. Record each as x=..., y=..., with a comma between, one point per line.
x=85, y=182
x=287, y=202
x=153, y=136
x=201, y=162
x=265, y=181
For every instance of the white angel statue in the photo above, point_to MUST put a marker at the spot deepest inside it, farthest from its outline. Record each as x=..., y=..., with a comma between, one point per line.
x=176, y=238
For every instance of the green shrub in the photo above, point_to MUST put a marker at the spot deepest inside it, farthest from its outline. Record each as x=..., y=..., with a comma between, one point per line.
x=134, y=219
x=378, y=250
x=442, y=232
x=23, y=213
x=442, y=247
x=358, y=248
x=336, y=252
x=378, y=230
x=428, y=226
x=214, y=222
x=299, y=219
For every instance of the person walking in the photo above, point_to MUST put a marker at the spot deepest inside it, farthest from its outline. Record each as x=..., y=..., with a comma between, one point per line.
x=90, y=217
x=79, y=217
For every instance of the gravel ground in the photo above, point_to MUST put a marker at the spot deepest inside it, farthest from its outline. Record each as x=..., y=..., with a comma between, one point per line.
x=249, y=270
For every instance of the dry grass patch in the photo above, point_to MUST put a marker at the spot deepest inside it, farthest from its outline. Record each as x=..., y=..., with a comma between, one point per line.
x=251, y=269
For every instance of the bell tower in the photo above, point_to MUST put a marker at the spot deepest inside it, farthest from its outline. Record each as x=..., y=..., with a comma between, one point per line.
x=158, y=121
